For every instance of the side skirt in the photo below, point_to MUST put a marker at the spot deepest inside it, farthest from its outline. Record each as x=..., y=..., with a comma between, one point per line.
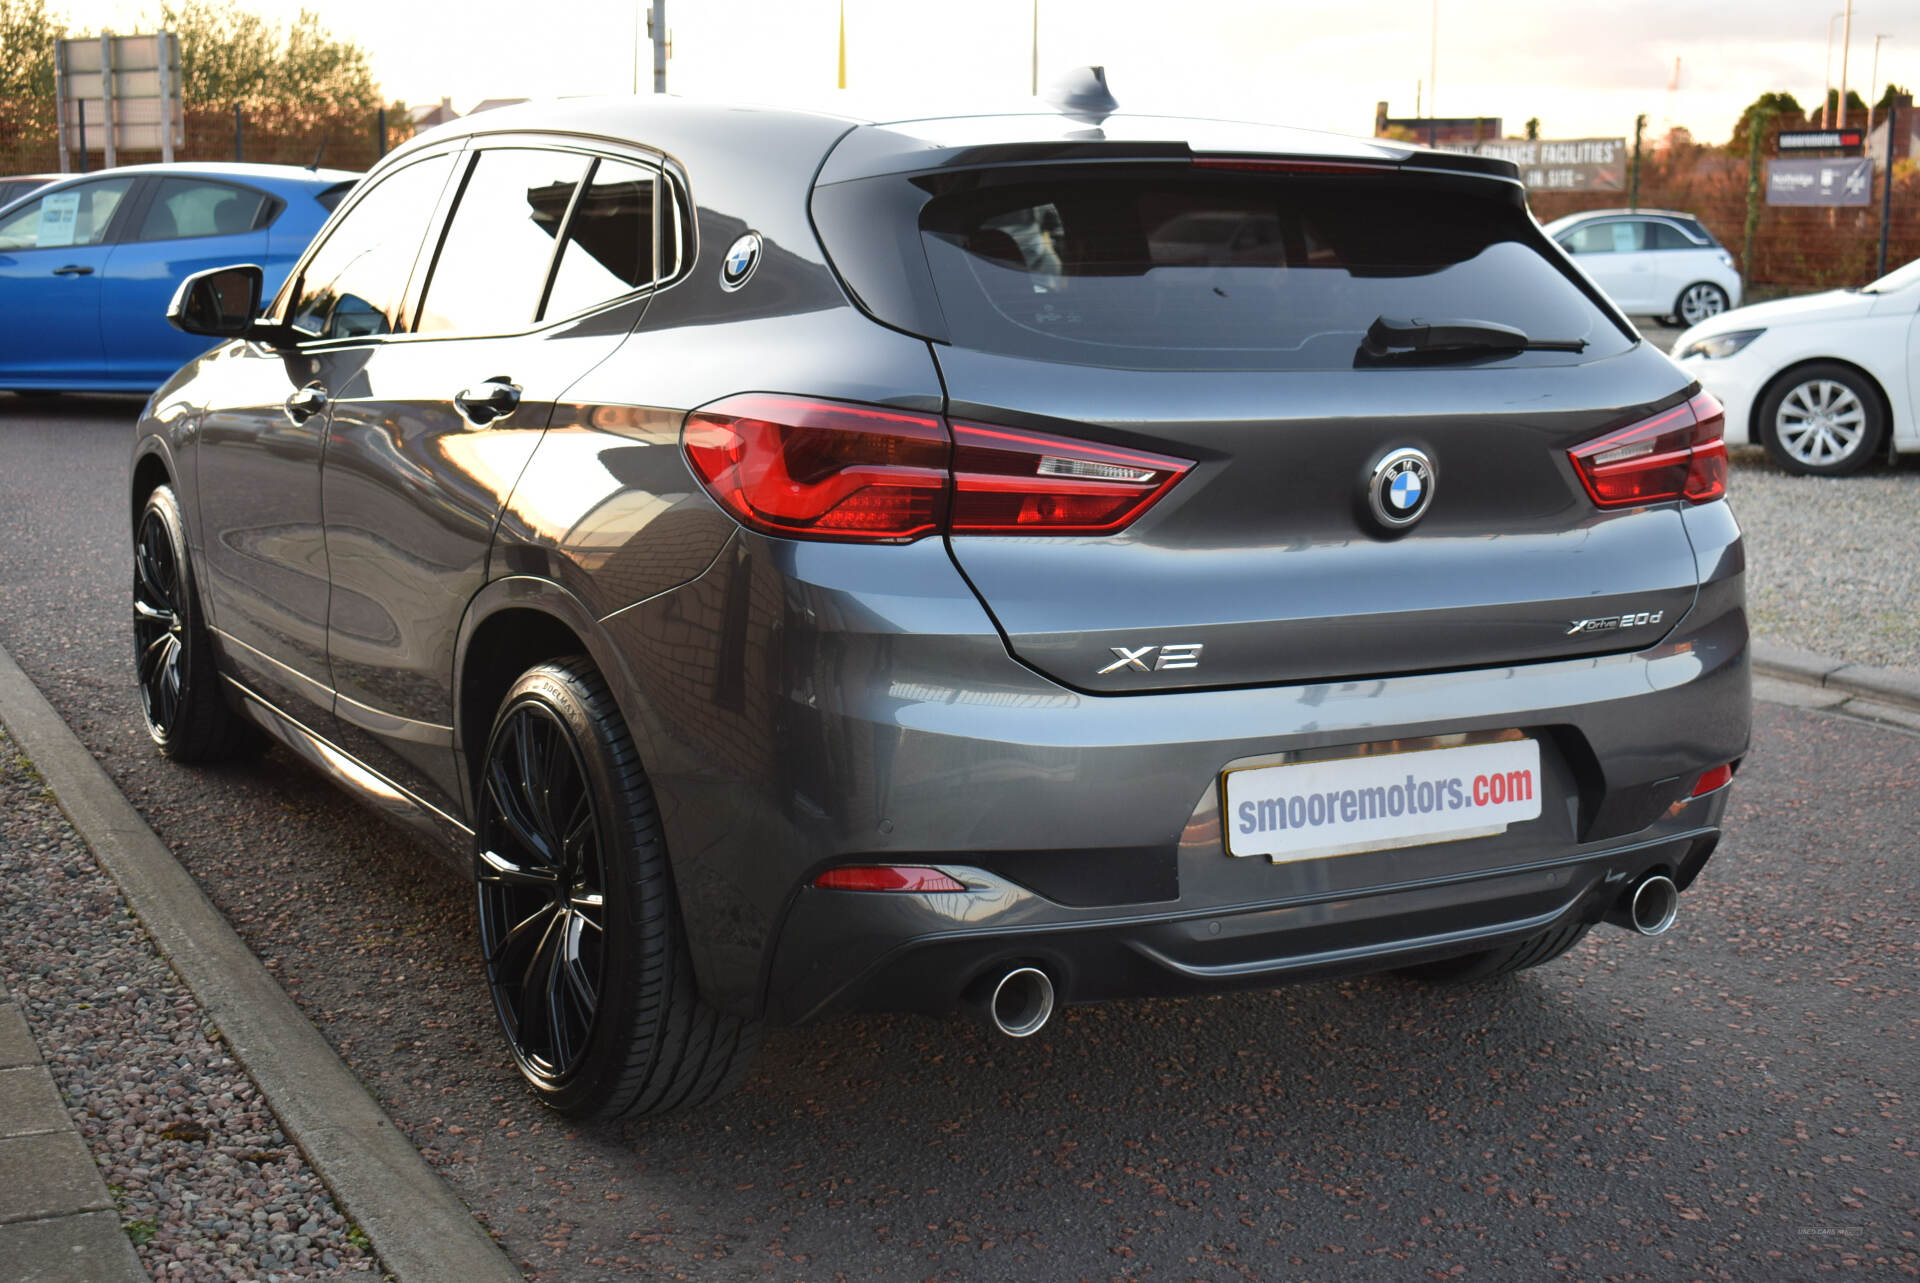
x=448, y=837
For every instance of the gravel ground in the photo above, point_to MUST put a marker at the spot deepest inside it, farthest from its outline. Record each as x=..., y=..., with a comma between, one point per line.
x=207, y=1185
x=1831, y=562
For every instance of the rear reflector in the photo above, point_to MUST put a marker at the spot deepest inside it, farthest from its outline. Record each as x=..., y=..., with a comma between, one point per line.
x=1718, y=778
x=886, y=877
x=811, y=469
x=1677, y=454
x=1025, y=483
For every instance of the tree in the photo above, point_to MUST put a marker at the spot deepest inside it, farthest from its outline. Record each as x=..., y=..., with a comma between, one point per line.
x=28, y=30
x=1533, y=129
x=1780, y=106
x=1886, y=99
x=1854, y=103
x=230, y=57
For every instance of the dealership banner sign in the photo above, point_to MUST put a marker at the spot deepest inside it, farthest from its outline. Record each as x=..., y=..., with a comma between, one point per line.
x=1563, y=165
x=1821, y=139
x=1820, y=182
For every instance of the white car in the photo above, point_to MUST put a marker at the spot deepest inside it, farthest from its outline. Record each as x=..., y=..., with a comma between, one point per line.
x=1826, y=381
x=1652, y=262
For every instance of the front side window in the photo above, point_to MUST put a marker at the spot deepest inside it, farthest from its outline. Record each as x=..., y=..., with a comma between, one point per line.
x=356, y=283
x=609, y=249
x=72, y=216
x=1606, y=238
x=184, y=207
x=492, y=268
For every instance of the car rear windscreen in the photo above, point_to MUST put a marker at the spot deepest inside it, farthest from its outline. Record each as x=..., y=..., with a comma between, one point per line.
x=1240, y=271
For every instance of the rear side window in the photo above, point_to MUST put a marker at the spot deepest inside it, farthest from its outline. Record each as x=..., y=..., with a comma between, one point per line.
x=493, y=263
x=1667, y=236
x=1238, y=271
x=184, y=207
x=609, y=249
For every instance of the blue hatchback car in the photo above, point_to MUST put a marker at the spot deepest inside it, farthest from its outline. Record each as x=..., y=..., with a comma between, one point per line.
x=89, y=264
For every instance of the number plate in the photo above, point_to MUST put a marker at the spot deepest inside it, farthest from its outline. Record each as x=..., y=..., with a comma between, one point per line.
x=1308, y=810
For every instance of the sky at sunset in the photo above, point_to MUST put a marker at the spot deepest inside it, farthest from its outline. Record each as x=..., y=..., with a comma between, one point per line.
x=1585, y=70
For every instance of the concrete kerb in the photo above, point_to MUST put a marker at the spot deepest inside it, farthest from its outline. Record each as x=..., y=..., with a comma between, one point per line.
x=1893, y=686
x=422, y=1232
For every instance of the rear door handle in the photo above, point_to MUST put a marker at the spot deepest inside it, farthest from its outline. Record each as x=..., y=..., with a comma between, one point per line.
x=73, y=269
x=306, y=402
x=494, y=399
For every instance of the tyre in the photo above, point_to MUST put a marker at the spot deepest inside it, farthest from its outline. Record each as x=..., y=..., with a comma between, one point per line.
x=187, y=713
x=1488, y=963
x=1699, y=301
x=1822, y=420
x=580, y=936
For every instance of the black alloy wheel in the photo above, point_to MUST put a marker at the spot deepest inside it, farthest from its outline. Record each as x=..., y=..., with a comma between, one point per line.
x=158, y=644
x=542, y=885
x=187, y=715
x=580, y=935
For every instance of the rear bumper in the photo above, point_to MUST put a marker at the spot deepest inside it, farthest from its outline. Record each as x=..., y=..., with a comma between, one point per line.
x=802, y=706
x=845, y=950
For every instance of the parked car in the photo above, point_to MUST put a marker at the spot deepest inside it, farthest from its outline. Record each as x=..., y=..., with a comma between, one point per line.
x=89, y=264
x=1652, y=262
x=799, y=565
x=1826, y=382
x=14, y=186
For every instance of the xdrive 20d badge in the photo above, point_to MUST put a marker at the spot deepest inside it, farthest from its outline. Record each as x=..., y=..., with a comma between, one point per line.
x=796, y=565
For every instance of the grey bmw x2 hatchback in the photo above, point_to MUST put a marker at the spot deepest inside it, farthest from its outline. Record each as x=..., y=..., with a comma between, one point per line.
x=801, y=564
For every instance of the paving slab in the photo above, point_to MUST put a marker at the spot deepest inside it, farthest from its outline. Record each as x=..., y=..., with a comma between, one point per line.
x=30, y=1103
x=50, y=1174
x=85, y=1248
x=16, y=1040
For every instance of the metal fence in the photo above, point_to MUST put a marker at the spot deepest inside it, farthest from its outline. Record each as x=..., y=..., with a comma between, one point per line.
x=1792, y=246
x=350, y=140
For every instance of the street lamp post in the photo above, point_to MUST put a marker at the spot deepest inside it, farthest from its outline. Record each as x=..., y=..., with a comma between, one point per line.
x=1846, y=43
x=1826, y=95
x=1872, y=81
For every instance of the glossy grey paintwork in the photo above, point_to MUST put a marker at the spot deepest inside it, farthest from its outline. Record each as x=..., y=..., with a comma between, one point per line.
x=261, y=561
x=799, y=704
x=1267, y=554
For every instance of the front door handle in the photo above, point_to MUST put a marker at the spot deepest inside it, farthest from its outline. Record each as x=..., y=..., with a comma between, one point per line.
x=494, y=399
x=73, y=269
x=306, y=402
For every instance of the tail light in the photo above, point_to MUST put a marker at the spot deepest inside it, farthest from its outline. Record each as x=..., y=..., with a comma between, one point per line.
x=1023, y=483
x=1677, y=454
x=811, y=469
x=822, y=470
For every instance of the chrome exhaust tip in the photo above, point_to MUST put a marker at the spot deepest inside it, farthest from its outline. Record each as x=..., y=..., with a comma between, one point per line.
x=1020, y=1003
x=1650, y=907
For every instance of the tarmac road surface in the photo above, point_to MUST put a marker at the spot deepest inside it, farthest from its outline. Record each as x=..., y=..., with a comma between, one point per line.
x=1734, y=1100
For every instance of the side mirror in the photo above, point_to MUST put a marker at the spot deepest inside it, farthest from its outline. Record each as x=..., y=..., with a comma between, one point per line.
x=219, y=303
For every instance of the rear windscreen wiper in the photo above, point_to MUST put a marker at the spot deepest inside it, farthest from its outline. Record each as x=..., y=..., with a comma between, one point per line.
x=1390, y=337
